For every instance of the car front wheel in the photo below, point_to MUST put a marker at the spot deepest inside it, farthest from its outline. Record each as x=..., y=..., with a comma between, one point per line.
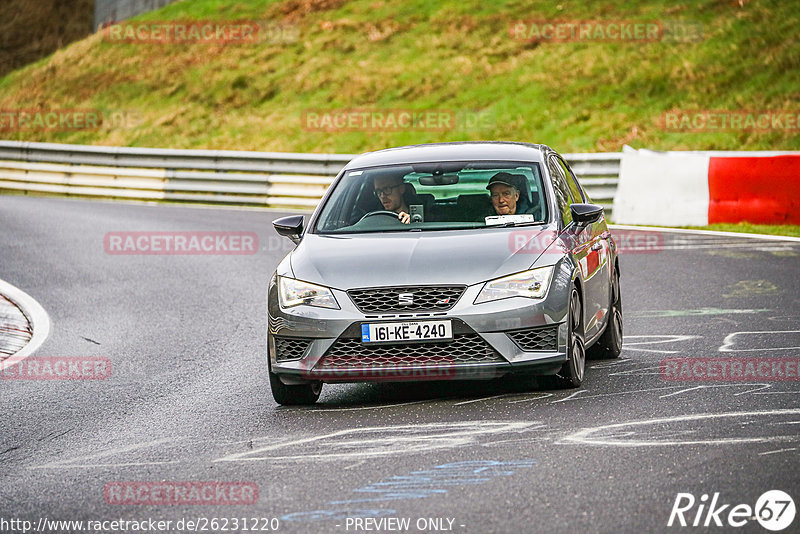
x=300, y=394
x=571, y=373
x=610, y=343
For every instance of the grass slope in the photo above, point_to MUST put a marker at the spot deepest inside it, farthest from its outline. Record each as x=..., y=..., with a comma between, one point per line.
x=448, y=55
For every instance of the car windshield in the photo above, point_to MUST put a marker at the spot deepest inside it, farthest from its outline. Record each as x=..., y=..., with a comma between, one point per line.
x=436, y=196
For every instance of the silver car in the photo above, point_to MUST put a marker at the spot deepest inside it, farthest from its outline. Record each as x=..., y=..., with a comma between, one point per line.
x=449, y=261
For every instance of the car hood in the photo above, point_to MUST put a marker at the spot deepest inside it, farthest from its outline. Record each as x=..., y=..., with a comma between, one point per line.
x=407, y=258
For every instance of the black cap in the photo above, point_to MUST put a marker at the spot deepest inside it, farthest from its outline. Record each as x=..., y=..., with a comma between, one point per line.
x=504, y=178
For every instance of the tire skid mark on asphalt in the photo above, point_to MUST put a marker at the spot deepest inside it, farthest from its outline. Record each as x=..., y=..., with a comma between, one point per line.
x=69, y=464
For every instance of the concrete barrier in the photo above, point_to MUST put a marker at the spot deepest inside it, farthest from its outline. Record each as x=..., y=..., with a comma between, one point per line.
x=698, y=188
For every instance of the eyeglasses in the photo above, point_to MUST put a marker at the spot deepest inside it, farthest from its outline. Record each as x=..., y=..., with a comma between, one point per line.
x=387, y=190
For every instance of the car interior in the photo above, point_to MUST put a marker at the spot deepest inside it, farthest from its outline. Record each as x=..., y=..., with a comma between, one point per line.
x=440, y=198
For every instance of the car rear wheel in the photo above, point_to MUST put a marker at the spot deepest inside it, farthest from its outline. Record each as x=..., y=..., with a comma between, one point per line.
x=295, y=394
x=610, y=343
x=571, y=373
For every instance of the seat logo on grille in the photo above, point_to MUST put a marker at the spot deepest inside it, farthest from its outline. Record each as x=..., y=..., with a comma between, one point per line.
x=405, y=299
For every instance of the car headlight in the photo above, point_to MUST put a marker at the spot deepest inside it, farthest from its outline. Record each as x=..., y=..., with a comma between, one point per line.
x=531, y=284
x=293, y=292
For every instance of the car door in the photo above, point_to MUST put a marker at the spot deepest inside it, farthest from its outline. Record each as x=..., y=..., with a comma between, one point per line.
x=597, y=260
x=584, y=246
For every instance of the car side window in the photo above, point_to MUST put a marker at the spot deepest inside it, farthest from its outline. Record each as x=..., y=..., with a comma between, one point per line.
x=564, y=197
x=572, y=182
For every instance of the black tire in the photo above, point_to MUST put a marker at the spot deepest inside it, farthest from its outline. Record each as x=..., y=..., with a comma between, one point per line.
x=609, y=345
x=300, y=394
x=571, y=373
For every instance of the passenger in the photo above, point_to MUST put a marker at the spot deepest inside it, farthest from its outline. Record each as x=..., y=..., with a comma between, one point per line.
x=505, y=193
x=390, y=191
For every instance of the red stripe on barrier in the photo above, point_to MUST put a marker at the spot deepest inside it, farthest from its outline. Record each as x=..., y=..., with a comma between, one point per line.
x=757, y=190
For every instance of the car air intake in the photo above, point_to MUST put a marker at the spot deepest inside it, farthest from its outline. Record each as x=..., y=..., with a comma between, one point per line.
x=534, y=339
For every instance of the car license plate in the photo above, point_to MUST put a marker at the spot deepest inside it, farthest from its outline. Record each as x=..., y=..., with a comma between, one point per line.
x=406, y=331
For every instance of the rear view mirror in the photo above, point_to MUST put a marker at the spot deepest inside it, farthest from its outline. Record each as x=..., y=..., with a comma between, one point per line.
x=291, y=227
x=439, y=179
x=584, y=214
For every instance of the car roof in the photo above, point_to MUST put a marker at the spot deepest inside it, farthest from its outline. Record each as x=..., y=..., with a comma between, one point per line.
x=458, y=151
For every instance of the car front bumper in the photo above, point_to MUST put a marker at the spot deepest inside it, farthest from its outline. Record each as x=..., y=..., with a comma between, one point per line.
x=325, y=343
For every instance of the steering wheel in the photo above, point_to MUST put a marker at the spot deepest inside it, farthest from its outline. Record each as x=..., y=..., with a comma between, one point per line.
x=385, y=213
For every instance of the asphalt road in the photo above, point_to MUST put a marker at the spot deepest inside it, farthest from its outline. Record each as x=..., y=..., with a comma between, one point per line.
x=188, y=397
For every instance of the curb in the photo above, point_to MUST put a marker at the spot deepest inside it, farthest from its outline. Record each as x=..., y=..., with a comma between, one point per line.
x=37, y=316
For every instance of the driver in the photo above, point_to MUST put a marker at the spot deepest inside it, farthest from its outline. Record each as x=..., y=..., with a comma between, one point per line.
x=390, y=191
x=505, y=193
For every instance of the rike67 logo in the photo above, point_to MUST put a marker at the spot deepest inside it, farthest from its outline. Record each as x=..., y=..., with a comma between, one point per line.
x=774, y=510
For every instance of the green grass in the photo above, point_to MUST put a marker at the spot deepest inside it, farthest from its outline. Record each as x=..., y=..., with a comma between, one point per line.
x=426, y=55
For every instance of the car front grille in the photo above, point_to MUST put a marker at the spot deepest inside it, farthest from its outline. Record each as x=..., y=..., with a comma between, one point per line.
x=290, y=348
x=388, y=299
x=352, y=353
x=534, y=339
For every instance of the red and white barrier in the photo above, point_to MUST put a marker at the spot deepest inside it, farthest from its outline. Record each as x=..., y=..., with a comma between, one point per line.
x=698, y=188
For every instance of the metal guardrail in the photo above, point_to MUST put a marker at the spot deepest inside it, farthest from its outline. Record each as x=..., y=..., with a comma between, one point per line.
x=270, y=179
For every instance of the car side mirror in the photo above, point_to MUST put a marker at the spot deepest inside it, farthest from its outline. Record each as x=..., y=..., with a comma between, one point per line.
x=291, y=227
x=584, y=214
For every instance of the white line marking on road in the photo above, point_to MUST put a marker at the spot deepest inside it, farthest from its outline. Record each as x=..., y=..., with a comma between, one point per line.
x=40, y=322
x=776, y=452
x=638, y=371
x=709, y=386
x=580, y=391
x=372, y=442
x=537, y=397
x=728, y=342
x=679, y=392
x=612, y=363
x=478, y=400
x=620, y=393
x=763, y=386
x=321, y=409
x=664, y=338
x=583, y=437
